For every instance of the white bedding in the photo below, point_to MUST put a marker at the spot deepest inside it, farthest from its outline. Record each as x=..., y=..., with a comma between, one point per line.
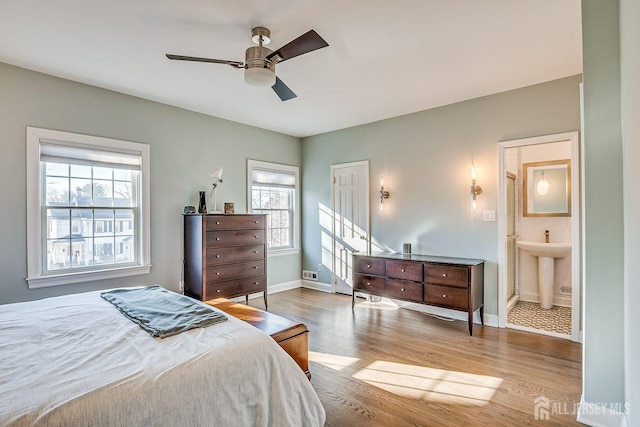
x=75, y=360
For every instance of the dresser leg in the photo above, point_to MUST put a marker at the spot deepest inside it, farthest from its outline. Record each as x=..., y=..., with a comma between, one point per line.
x=482, y=314
x=246, y=299
x=471, y=322
x=266, y=308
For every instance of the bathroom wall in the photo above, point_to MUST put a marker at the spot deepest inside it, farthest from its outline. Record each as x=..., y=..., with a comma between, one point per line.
x=533, y=228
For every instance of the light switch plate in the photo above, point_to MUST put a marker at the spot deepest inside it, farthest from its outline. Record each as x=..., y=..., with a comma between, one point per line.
x=489, y=215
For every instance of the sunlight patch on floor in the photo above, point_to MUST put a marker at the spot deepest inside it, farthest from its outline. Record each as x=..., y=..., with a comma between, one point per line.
x=332, y=361
x=430, y=384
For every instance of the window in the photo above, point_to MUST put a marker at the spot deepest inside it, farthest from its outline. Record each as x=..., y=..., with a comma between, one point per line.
x=81, y=190
x=273, y=190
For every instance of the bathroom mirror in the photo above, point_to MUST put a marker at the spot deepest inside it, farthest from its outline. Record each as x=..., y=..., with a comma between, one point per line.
x=547, y=188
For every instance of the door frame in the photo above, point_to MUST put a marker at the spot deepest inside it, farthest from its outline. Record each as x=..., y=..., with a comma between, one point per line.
x=576, y=195
x=367, y=206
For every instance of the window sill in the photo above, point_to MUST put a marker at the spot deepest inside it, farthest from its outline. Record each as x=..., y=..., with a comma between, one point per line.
x=85, y=276
x=282, y=252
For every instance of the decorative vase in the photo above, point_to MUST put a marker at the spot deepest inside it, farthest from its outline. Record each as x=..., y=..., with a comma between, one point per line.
x=202, y=207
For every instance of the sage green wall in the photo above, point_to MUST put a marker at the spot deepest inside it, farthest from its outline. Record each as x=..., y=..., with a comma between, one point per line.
x=630, y=88
x=603, y=362
x=185, y=146
x=425, y=158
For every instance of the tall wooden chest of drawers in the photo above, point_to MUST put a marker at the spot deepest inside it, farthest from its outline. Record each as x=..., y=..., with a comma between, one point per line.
x=225, y=255
x=454, y=283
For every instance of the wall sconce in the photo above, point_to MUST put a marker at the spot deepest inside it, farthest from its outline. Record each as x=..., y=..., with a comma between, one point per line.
x=475, y=189
x=384, y=194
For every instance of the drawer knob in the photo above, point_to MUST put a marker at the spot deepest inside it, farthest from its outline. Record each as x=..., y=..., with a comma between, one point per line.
x=368, y=283
x=217, y=238
x=218, y=256
x=368, y=265
x=402, y=289
x=255, y=222
x=256, y=267
x=217, y=222
x=218, y=290
x=256, y=236
x=256, y=283
x=403, y=270
x=255, y=252
x=444, y=296
x=444, y=274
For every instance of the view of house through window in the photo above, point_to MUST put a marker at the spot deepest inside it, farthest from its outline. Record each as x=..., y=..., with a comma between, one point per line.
x=88, y=204
x=90, y=215
x=273, y=192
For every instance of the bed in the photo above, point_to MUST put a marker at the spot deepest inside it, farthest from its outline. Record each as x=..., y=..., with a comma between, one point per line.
x=77, y=360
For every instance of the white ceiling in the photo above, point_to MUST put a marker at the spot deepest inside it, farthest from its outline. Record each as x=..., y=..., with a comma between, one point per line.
x=385, y=58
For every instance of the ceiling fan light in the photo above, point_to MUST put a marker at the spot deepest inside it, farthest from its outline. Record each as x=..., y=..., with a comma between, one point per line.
x=259, y=77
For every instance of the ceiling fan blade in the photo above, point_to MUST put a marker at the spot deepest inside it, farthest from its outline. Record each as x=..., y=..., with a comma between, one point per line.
x=306, y=43
x=235, y=64
x=282, y=90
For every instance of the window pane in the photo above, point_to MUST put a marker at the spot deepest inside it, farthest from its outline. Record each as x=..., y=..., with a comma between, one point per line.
x=122, y=194
x=122, y=175
x=57, y=191
x=79, y=252
x=102, y=173
x=102, y=193
x=103, y=250
x=58, y=223
x=80, y=171
x=81, y=190
x=82, y=221
x=56, y=169
x=124, y=251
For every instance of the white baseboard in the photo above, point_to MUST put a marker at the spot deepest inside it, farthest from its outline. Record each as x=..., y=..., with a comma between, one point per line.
x=489, y=320
x=599, y=415
x=561, y=300
x=317, y=286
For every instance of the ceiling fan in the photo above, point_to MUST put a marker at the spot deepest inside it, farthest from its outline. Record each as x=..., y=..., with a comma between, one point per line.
x=260, y=62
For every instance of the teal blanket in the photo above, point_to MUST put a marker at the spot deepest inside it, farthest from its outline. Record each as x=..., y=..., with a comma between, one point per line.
x=160, y=312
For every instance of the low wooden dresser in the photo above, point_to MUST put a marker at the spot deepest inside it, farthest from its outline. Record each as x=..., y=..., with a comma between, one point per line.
x=289, y=334
x=225, y=255
x=454, y=283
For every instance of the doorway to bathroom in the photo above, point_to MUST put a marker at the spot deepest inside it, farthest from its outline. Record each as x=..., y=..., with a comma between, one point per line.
x=539, y=283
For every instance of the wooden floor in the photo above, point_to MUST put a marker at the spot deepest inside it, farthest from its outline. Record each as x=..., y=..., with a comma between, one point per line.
x=398, y=367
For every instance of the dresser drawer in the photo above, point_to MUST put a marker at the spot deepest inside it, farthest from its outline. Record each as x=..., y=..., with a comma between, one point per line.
x=373, y=284
x=220, y=273
x=446, y=296
x=232, y=288
x=234, y=238
x=403, y=290
x=373, y=266
x=234, y=222
x=222, y=255
x=404, y=270
x=450, y=275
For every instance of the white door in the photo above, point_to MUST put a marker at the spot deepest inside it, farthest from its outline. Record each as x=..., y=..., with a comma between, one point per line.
x=350, y=222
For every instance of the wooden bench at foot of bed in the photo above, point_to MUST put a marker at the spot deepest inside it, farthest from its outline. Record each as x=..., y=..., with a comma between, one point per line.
x=289, y=334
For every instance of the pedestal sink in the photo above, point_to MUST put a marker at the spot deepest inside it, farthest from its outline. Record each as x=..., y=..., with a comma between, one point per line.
x=545, y=252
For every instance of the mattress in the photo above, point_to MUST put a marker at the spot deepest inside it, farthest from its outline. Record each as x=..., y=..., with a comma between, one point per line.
x=76, y=360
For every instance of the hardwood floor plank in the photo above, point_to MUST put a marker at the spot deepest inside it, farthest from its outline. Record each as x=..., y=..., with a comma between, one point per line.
x=380, y=366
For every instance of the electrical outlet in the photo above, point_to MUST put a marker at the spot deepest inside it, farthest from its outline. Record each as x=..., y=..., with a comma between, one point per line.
x=319, y=267
x=309, y=275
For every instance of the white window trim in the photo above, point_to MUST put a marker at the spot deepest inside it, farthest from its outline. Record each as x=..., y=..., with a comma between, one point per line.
x=278, y=167
x=35, y=278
